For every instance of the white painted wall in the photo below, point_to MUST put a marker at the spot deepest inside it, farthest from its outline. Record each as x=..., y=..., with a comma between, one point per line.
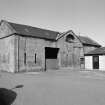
x=88, y=63
x=102, y=62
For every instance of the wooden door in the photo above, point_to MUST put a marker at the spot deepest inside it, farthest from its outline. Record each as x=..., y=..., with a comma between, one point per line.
x=95, y=62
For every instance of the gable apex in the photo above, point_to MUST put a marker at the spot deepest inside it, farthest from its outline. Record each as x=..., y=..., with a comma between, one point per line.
x=5, y=29
x=65, y=33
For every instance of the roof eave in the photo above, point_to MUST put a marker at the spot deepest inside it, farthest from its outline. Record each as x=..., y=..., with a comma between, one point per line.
x=93, y=54
x=35, y=37
x=85, y=44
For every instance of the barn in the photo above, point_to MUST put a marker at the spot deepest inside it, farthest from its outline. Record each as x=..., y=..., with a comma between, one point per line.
x=25, y=48
x=95, y=59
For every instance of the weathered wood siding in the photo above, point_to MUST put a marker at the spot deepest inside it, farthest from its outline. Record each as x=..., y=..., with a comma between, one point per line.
x=5, y=29
x=32, y=47
x=19, y=53
x=7, y=61
x=7, y=54
x=70, y=53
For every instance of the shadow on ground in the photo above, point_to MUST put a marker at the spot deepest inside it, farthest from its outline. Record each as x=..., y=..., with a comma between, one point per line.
x=8, y=96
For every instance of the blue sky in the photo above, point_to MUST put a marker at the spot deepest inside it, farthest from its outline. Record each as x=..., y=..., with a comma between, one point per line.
x=84, y=17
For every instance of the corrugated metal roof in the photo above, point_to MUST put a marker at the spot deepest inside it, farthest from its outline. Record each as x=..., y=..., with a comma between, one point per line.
x=88, y=41
x=26, y=30
x=98, y=51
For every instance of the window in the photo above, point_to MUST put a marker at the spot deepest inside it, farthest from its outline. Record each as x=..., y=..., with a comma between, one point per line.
x=25, y=58
x=82, y=60
x=35, y=58
x=96, y=58
x=70, y=38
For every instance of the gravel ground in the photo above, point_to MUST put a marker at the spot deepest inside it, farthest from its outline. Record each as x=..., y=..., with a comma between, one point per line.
x=57, y=87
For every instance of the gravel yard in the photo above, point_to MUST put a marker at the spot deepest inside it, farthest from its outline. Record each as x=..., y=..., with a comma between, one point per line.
x=57, y=87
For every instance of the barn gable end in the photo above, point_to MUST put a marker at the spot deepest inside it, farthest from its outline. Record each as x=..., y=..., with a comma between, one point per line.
x=6, y=29
x=71, y=50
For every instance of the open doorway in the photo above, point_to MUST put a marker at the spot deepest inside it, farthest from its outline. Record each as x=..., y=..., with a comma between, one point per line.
x=51, y=61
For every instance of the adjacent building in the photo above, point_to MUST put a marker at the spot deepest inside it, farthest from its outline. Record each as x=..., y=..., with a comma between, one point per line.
x=95, y=59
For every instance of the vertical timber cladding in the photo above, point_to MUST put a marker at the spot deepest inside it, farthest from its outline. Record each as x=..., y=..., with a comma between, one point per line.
x=31, y=54
x=51, y=61
x=7, y=54
x=71, y=50
x=6, y=48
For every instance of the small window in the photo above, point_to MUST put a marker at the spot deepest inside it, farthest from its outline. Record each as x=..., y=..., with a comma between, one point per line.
x=35, y=58
x=70, y=38
x=25, y=58
x=96, y=59
x=82, y=60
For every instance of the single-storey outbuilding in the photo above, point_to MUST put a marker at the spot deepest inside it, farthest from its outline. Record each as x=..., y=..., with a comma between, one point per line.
x=95, y=59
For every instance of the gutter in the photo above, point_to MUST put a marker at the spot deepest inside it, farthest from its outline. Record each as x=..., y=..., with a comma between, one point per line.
x=35, y=37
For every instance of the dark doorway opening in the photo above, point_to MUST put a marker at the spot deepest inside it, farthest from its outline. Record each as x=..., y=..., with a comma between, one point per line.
x=51, y=57
x=95, y=62
x=51, y=53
